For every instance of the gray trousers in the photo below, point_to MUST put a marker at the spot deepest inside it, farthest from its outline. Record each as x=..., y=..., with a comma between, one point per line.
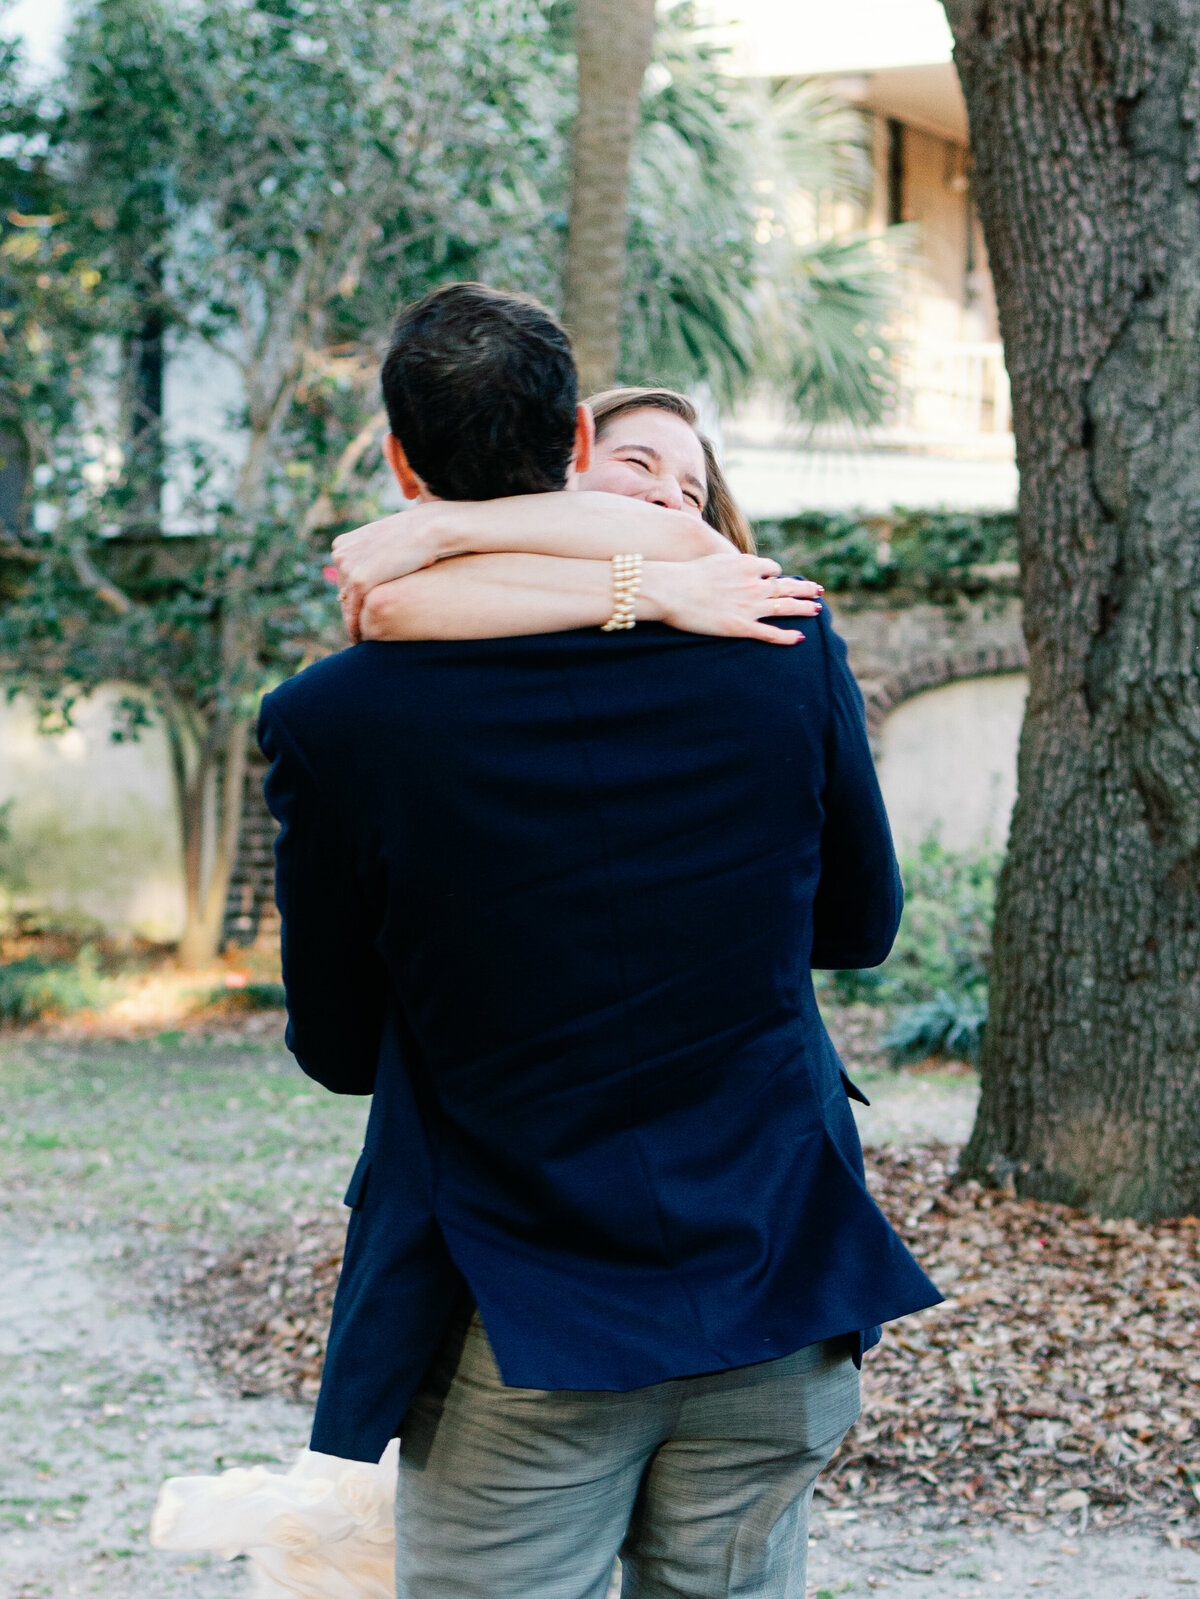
x=702, y=1485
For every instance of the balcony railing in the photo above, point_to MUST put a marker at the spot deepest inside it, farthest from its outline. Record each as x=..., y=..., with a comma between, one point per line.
x=952, y=390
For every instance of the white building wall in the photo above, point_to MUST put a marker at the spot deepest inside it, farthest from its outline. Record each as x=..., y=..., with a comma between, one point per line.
x=203, y=397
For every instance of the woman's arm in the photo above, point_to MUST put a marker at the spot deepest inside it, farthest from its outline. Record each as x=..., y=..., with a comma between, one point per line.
x=583, y=526
x=501, y=596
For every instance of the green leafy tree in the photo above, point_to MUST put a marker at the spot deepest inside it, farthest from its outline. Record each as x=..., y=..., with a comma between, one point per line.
x=52, y=304
x=268, y=184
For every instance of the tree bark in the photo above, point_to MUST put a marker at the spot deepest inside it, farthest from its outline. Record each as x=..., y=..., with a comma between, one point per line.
x=613, y=42
x=210, y=783
x=1084, y=128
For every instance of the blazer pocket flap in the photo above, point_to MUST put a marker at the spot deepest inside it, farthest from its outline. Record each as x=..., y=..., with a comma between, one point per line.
x=358, y=1183
x=853, y=1091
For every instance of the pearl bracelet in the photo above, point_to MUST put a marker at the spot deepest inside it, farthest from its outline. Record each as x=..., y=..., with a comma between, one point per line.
x=627, y=580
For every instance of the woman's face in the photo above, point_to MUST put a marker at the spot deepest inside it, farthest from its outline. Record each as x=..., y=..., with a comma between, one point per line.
x=650, y=455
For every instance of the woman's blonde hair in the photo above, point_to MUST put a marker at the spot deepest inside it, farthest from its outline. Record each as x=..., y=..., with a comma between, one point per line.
x=720, y=509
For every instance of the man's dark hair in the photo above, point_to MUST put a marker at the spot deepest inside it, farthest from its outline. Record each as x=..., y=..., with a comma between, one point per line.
x=480, y=389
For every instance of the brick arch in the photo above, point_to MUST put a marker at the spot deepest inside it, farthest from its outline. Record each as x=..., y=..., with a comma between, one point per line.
x=933, y=671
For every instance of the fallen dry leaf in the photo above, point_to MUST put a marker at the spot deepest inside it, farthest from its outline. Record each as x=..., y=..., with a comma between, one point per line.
x=1061, y=1377
x=1062, y=1374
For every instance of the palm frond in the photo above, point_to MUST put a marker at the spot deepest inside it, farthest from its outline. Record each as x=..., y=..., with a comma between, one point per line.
x=723, y=285
x=826, y=306
x=820, y=143
x=689, y=272
x=690, y=265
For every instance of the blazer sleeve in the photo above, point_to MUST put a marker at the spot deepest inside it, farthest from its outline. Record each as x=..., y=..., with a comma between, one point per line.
x=335, y=980
x=856, y=913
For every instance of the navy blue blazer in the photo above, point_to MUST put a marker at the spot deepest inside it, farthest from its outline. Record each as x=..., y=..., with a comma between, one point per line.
x=554, y=901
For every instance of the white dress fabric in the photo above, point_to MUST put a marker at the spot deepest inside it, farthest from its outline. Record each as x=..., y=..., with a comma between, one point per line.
x=324, y=1530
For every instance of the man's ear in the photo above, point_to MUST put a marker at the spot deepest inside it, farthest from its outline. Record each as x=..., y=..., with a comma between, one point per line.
x=411, y=485
x=585, y=439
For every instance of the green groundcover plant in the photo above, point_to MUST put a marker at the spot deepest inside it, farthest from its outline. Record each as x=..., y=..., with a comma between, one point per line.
x=935, y=981
x=32, y=989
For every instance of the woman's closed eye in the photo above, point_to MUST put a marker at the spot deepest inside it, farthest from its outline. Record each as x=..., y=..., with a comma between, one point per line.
x=652, y=467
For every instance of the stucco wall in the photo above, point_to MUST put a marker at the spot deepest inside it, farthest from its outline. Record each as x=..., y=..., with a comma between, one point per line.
x=948, y=761
x=93, y=832
x=945, y=695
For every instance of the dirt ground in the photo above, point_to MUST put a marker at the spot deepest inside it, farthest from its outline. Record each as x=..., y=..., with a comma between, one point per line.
x=120, y=1161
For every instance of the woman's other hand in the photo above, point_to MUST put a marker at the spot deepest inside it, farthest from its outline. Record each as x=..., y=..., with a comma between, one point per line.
x=380, y=551
x=726, y=595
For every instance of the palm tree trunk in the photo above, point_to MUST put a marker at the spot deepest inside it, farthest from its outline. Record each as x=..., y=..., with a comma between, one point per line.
x=613, y=42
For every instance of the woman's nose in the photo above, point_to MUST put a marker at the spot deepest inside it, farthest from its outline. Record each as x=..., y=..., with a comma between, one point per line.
x=666, y=492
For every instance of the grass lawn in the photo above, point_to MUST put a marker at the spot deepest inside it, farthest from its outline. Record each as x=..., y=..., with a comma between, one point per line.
x=175, y=1135
x=202, y=1141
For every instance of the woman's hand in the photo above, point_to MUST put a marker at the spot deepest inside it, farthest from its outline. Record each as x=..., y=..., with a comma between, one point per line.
x=726, y=595
x=379, y=551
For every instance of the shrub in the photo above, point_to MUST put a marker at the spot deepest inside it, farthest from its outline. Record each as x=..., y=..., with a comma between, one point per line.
x=945, y=939
x=937, y=972
x=249, y=997
x=31, y=988
x=943, y=1026
x=843, y=550
x=940, y=553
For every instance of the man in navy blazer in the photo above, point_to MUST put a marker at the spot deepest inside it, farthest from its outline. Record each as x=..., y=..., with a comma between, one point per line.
x=555, y=901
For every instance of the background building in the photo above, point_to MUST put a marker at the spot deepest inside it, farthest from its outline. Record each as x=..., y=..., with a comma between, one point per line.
x=948, y=439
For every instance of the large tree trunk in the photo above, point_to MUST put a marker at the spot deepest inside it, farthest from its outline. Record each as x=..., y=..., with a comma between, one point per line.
x=613, y=40
x=1087, y=155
